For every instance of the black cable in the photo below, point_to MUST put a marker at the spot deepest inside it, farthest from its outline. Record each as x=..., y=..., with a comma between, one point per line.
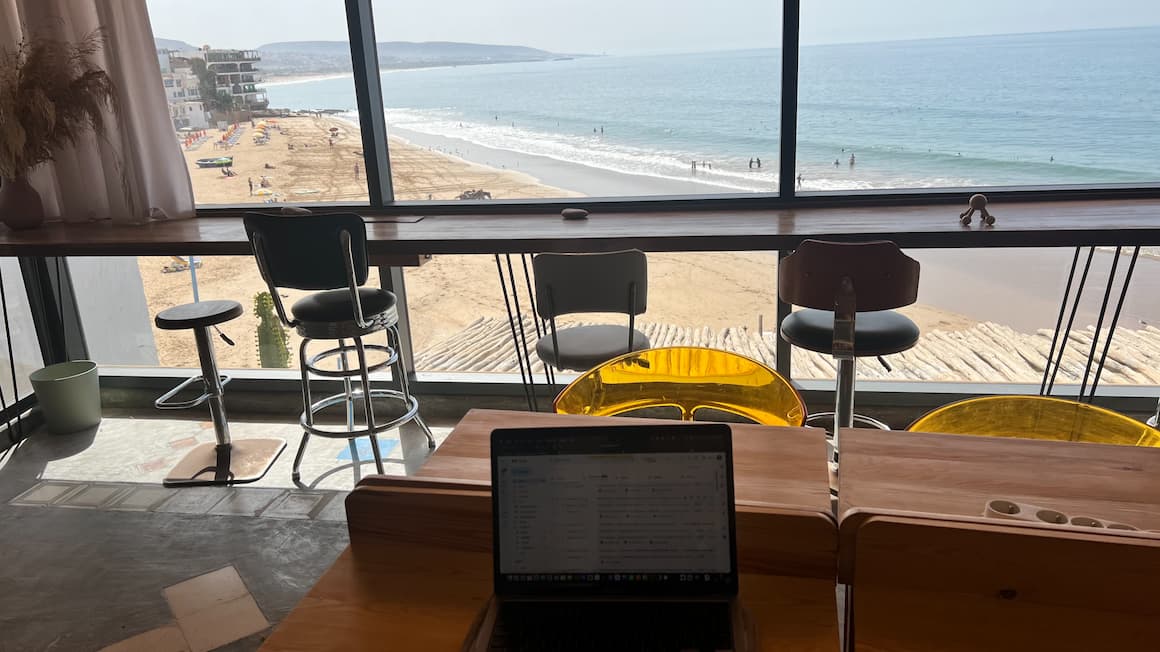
x=523, y=343
x=1115, y=320
x=1071, y=318
x=1059, y=321
x=1100, y=324
x=515, y=339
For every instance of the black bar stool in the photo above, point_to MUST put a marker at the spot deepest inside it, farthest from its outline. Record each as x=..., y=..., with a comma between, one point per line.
x=328, y=253
x=225, y=461
x=848, y=292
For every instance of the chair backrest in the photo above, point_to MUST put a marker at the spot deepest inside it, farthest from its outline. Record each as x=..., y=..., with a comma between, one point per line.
x=607, y=282
x=306, y=252
x=689, y=379
x=1037, y=417
x=882, y=277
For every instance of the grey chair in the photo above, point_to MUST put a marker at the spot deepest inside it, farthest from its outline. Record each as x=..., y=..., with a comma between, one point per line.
x=590, y=283
x=327, y=253
x=848, y=292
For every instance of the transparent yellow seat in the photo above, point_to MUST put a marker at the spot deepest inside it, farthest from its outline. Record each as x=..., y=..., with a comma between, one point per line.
x=1037, y=417
x=689, y=379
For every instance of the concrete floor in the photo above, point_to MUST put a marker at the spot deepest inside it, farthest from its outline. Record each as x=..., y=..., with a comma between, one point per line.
x=82, y=565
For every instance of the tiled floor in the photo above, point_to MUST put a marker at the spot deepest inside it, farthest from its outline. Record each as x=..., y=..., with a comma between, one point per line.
x=126, y=449
x=116, y=561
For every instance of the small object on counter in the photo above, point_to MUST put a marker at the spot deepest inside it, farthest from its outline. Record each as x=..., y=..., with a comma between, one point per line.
x=574, y=214
x=978, y=202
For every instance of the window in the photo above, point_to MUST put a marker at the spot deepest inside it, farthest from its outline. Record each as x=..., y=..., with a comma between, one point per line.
x=975, y=329
x=536, y=100
x=716, y=299
x=899, y=94
x=527, y=101
x=259, y=135
x=20, y=352
x=144, y=286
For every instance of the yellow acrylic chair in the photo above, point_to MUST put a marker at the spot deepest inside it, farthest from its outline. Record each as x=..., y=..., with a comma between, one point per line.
x=1037, y=417
x=689, y=379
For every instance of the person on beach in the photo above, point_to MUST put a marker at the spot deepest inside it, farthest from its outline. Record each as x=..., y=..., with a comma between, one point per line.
x=694, y=167
x=250, y=180
x=751, y=164
x=851, y=159
x=601, y=130
x=799, y=180
x=837, y=162
x=758, y=163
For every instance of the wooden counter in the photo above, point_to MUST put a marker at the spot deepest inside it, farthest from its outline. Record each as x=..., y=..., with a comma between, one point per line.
x=1038, y=224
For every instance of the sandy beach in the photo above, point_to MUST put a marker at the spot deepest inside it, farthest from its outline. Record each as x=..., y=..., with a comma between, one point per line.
x=301, y=166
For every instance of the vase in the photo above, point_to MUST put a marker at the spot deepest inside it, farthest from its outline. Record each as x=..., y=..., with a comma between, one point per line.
x=20, y=205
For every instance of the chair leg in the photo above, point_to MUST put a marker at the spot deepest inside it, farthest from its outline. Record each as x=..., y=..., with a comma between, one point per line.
x=398, y=370
x=295, y=474
x=307, y=415
x=368, y=406
x=843, y=400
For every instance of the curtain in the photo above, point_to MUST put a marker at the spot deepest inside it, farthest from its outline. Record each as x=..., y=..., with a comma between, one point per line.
x=137, y=172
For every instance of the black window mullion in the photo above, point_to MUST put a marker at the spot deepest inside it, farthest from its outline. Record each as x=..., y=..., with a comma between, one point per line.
x=790, y=32
x=369, y=93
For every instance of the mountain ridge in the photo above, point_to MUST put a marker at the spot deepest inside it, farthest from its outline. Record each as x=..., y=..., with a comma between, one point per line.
x=284, y=58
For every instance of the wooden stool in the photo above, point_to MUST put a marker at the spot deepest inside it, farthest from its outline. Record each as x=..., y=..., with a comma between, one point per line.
x=221, y=462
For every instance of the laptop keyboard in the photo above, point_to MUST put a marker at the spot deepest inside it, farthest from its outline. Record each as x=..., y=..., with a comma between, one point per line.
x=612, y=627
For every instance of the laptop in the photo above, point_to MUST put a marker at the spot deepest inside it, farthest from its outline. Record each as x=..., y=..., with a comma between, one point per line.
x=613, y=538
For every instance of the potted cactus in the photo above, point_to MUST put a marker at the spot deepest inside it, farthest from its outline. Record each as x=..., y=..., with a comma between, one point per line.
x=273, y=341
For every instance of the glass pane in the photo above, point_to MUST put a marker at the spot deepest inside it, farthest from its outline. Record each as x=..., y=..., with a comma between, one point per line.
x=976, y=328
x=139, y=288
x=20, y=350
x=721, y=300
x=255, y=124
x=615, y=99
x=898, y=94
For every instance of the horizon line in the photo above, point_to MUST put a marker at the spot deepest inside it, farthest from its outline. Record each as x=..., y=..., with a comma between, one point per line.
x=724, y=49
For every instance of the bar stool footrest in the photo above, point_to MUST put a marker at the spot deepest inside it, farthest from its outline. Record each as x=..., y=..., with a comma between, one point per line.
x=825, y=420
x=411, y=411
x=164, y=403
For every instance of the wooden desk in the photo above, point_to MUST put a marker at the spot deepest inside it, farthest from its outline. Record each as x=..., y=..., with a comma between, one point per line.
x=395, y=588
x=957, y=474
x=783, y=466
x=1028, y=224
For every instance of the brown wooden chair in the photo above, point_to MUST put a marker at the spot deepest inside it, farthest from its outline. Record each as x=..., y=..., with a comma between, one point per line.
x=848, y=293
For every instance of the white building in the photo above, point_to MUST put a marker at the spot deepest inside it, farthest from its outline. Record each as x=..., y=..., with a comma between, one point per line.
x=237, y=75
x=182, y=90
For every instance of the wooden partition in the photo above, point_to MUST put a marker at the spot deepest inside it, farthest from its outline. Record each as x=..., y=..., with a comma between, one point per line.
x=958, y=584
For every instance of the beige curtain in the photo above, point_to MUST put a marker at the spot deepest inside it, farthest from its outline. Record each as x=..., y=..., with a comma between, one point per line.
x=137, y=172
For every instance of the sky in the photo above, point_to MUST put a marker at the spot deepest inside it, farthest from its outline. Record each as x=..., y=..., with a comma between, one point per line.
x=634, y=26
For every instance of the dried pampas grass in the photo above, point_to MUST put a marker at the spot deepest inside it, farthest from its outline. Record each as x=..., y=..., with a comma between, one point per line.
x=51, y=93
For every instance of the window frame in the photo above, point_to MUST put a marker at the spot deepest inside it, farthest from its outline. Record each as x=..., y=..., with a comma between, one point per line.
x=374, y=130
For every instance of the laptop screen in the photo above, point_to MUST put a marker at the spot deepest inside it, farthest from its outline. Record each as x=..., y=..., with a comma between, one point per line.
x=614, y=510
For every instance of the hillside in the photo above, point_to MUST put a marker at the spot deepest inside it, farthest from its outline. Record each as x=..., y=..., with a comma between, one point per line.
x=172, y=44
x=311, y=57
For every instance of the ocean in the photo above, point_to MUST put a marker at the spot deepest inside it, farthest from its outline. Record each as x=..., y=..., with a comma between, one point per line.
x=1078, y=107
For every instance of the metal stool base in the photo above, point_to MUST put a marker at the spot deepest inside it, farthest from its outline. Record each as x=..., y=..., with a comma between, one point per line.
x=825, y=420
x=239, y=462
